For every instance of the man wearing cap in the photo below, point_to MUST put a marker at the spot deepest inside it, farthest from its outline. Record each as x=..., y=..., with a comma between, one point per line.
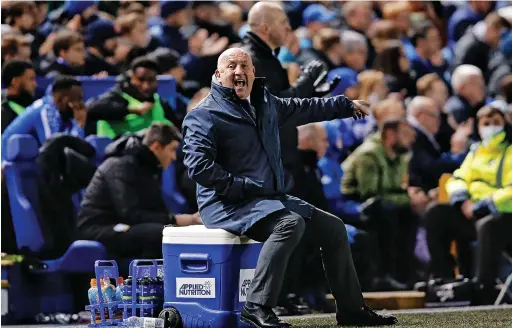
x=176, y=15
x=315, y=17
x=100, y=40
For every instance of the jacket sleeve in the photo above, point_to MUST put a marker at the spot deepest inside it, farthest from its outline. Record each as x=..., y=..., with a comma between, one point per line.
x=501, y=200
x=367, y=175
x=424, y=166
x=309, y=110
x=109, y=107
x=457, y=185
x=123, y=192
x=200, y=153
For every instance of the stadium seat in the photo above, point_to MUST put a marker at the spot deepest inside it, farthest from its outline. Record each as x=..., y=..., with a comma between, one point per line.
x=173, y=199
x=442, y=195
x=94, y=87
x=21, y=173
x=100, y=144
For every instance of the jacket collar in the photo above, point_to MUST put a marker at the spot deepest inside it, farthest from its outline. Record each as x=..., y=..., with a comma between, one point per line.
x=230, y=94
x=260, y=44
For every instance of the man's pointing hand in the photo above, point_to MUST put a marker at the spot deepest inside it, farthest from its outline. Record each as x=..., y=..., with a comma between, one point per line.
x=361, y=109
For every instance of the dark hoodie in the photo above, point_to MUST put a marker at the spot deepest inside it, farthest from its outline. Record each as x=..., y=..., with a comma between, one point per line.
x=126, y=188
x=111, y=106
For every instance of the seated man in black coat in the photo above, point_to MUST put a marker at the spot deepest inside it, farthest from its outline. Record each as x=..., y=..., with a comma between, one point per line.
x=123, y=206
x=428, y=163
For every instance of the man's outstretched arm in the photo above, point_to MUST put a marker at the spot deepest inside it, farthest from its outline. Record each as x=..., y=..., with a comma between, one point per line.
x=200, y=152
x=309, y=110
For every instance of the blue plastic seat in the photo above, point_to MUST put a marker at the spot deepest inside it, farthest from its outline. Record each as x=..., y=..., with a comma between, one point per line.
x=173, y=198
x=95, y=87
x=100, y=144
x=21, y=173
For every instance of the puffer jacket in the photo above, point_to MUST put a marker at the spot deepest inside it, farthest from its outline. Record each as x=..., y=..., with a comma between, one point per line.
x=485, y=177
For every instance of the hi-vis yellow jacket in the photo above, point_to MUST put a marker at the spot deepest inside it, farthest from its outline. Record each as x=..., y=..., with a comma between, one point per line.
x=485, y=177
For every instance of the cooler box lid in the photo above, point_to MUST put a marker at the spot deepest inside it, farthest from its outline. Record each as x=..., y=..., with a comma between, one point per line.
x=200, y=235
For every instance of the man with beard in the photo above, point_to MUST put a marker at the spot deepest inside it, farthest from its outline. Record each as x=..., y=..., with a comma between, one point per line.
x=63, y=111
x=20, y=79
x=130, y=106
x=374, y=174
x=242, y=186
x=100, y=39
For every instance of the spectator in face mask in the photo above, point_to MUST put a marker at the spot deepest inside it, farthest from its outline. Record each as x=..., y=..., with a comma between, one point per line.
x=481, y=209
x=101, y=41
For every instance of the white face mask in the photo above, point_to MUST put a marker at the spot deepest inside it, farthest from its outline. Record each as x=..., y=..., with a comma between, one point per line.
x=487, y=132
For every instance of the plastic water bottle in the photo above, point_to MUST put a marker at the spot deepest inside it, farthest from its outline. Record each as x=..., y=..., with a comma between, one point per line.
x=109, y=294
x=159, y=290
x=92, y=293
x=127, y=296
x=145, y=296
x=137, y=322
x=119, y=297
x=108, y=290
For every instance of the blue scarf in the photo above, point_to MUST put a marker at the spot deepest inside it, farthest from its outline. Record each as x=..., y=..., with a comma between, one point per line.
x=56, y=124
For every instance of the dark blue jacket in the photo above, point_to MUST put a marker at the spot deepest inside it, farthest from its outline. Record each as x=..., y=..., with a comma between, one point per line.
x=232, y=151
x=459, y=22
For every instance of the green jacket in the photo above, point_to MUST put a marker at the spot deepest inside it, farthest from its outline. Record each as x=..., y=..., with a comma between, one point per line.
x=369, y=172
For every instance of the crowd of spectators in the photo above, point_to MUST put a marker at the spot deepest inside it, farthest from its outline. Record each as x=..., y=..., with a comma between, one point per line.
x=438, y=75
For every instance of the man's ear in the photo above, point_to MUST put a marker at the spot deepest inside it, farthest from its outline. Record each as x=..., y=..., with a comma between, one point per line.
x=15, y=82
x=217, y=74
x=254, y=70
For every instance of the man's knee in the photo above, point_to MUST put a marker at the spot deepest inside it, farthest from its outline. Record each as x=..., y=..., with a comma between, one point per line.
x=292, y=225
x=487, y=224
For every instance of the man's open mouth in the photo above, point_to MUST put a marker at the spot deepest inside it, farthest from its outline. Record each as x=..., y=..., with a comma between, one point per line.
x=240, y=83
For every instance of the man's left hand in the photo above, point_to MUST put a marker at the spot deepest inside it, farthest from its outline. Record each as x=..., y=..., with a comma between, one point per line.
x=361, y=109
x=79, y=112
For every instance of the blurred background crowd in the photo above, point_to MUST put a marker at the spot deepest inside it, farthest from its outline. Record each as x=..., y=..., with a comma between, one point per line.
x=438, y=75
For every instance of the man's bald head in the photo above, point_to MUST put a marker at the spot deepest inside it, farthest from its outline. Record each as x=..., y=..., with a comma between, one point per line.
x=263, y=12
x=426, y=112
x=236, y=71
x=269, y=21
x=232, y=53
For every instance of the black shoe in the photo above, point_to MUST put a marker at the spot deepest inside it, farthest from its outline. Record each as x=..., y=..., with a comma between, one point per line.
x=261, y=317
x=280, y=311
x=295, y=305
x=388, y=283
x=365, y=317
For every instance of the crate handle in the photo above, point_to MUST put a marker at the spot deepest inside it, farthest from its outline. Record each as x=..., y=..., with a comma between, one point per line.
x=194, y=262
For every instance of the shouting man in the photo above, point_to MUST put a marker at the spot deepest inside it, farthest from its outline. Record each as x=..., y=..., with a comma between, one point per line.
x=232, y=151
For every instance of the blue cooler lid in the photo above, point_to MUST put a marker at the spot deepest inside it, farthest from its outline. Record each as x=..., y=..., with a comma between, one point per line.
x=200, y=235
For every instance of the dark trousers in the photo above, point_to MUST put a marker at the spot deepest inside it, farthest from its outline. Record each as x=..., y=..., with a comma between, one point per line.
x=281, y=232
x=143, y=241
x=393, y=231
x=446, y=224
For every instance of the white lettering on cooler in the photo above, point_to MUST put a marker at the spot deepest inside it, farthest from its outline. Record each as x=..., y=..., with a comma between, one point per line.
x=195, y=287
x=246, y=276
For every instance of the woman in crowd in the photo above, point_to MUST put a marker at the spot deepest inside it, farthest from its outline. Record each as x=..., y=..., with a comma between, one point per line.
x=481, y=209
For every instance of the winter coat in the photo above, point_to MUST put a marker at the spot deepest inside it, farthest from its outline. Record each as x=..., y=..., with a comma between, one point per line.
x=232, y=152
x=126, y=189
